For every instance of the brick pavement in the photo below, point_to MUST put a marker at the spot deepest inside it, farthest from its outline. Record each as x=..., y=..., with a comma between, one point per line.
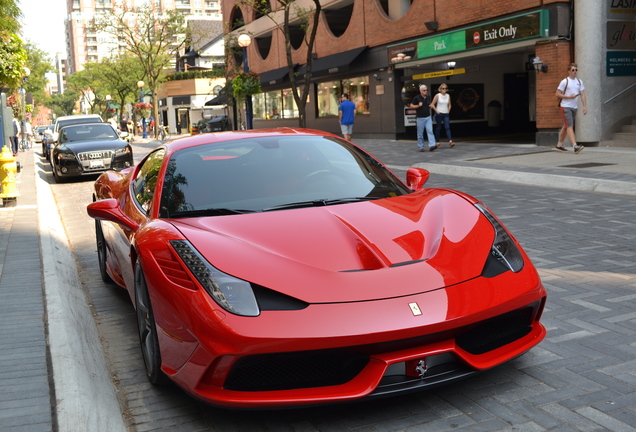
x=580, y=378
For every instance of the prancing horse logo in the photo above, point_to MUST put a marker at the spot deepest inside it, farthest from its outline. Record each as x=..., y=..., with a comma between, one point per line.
x=421, y=368
x=415, y=309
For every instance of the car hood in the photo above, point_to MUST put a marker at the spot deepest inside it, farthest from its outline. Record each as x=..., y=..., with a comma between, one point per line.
x=350, y=252
x=92, y=145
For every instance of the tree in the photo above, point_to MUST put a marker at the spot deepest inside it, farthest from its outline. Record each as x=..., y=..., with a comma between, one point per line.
x=307, y=20
x=153, y=40
x=64, y=103
x=39, y=64
x=86, y=84
x=13, y=58
x=10, y=15
x=120, y=76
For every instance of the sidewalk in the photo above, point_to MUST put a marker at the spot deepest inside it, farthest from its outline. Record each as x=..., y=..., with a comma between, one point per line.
x=600, y=169
x=53, y=377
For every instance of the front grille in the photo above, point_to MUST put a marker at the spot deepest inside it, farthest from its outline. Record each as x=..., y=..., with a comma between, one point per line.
x=496, y=332
x=305, y=369
x=95, y=155
x=285, y=371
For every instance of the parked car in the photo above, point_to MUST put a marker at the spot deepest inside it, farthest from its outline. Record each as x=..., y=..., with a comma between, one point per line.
x=89, y=148
x=74, y=119
x=289, y=267
x=38, y=133
x=69, y=120
x=47, y=136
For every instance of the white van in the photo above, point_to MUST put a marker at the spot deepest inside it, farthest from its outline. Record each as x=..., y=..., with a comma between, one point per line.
x=74, y=119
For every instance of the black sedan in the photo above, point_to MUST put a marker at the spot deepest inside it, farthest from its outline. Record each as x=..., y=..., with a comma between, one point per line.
x=89, y=148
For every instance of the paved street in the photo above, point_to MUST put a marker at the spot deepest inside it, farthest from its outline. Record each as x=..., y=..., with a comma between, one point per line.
x=581, y=378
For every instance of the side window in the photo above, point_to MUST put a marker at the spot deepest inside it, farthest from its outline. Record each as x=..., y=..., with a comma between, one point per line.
x=144, y=185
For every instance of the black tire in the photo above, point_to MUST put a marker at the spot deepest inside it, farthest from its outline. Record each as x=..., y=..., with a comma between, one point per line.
x=147, y=330
x=102, y=252
x=58, y=178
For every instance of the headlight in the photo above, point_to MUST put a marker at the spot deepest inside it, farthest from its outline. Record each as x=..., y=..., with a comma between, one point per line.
x=232, y=294
x=504, y=250
x=123, y=150
x=67, y=156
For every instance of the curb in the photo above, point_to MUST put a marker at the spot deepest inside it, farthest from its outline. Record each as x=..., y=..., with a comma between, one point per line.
x=616, y=187
x=86, y=398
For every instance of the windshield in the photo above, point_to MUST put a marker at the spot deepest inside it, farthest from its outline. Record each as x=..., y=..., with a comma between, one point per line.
x=272, y=173
x=87, y=132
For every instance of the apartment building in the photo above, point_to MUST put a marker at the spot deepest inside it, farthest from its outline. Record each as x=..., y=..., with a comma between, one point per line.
x=84, y=46
x=501, y=60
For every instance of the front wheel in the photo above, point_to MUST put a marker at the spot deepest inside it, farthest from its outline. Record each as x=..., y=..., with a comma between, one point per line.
x=148, y=339
x=58, y=178
x=102, y=252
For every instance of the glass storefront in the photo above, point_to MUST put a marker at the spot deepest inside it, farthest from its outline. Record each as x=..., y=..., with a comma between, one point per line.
x=328, y=97
x=280, y=104
x=276, y=104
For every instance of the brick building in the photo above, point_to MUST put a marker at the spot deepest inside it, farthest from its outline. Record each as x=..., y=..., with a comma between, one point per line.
x=486, y=51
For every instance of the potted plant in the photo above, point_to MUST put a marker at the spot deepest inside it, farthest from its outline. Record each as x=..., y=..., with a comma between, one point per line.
x=245, y=84
x=142, y=109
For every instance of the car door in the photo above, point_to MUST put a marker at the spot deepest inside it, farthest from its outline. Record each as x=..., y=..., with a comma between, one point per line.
x=136, y=204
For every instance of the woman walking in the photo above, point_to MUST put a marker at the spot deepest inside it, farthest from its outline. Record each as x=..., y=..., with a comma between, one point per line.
x=442, y=105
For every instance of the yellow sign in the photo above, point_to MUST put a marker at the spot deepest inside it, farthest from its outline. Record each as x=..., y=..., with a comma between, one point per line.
x=440, y=73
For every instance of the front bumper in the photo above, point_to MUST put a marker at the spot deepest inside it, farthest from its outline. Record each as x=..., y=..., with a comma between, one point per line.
x=81, y=167
x=338, y=352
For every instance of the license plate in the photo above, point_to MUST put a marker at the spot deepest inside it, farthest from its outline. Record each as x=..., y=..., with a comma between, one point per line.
x=94, y=164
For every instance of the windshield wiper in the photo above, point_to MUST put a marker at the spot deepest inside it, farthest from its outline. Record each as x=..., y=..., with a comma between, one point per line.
x=209, y=212
x=318, y=203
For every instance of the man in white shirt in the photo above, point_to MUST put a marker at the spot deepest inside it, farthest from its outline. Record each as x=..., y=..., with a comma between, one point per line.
x=568, y=91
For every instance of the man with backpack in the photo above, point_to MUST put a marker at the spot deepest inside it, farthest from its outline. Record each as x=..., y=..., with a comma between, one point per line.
x=567, y=92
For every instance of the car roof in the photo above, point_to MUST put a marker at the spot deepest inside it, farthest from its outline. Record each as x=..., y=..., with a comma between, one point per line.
x=79, y=116
x=209, y=138
x=67, y=120
x=83, y=124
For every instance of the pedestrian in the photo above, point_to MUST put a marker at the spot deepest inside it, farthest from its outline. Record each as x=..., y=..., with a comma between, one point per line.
x=422, y=105
x=113, y=123
x=14, y=138
x=442, y=105
x=123, y=124
x=28, y=134
x=568, y=91
x=346, y=115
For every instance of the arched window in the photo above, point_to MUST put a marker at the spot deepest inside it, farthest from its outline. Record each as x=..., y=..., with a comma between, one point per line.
x=395, y=9
x=338, y=17
x=236, y=18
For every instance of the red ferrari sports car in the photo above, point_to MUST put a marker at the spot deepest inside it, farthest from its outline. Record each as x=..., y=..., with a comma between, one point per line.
x=289, y=267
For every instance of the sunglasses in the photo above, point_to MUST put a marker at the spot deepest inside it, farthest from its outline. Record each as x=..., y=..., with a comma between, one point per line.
x=574, y=69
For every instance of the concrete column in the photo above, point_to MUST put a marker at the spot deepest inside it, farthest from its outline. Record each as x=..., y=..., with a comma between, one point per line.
x=589, y=26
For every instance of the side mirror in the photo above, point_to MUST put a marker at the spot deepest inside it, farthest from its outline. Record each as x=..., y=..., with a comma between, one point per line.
x=416, y=178
x=108, y=209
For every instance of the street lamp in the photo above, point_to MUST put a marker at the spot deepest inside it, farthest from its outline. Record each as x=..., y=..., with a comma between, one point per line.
x=27, y=72
x=244, y=41
x=140, y=84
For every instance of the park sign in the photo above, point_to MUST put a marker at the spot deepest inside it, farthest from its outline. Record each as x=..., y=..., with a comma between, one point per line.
x=513, y=29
